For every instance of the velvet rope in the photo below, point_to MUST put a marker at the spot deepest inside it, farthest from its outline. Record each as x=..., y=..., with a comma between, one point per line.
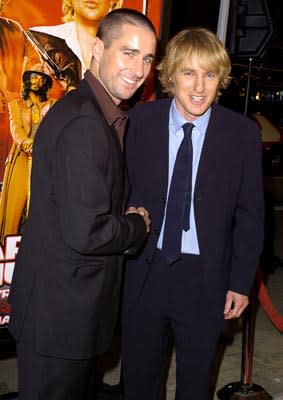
x=267, y=304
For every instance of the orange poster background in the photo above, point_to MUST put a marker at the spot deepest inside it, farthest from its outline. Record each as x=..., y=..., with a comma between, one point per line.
x=39, y=12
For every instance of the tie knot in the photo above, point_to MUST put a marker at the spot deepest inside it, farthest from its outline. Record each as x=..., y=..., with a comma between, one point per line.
x=187, y=128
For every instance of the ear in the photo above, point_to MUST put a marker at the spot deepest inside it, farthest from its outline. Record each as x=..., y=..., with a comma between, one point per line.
x=97, y=49
x=172, y=80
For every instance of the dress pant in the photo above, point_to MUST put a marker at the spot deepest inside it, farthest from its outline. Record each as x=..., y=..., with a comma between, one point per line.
x=173, y=299
x=49, y=378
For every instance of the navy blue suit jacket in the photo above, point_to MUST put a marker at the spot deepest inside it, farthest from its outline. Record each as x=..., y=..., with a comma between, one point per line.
x=228, y=198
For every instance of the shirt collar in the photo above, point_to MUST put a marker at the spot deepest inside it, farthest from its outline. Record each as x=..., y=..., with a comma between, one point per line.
x=177, y=120
x=110, y=110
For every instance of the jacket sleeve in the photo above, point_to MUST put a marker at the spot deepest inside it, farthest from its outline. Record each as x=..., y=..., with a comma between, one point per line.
x=248, y=229
x=83, y=197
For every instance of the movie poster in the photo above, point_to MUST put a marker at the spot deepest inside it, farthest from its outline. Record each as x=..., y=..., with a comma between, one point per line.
x=43, y=55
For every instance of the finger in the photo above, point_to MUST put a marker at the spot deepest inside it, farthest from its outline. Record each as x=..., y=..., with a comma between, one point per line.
x=230, y=314
x=236, y=311
x=131, y=210
x=148, y=223
x=241, y=309
x=142, y=211
x=228, y=304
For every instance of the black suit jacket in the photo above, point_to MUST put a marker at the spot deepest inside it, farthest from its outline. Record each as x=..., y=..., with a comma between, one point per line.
x=228, y=198
x=69, y=261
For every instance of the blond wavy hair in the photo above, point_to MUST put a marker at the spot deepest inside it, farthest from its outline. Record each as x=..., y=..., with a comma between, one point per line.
x=195, y=42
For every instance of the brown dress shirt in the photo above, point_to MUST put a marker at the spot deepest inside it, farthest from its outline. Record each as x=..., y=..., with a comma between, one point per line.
x=112, y=113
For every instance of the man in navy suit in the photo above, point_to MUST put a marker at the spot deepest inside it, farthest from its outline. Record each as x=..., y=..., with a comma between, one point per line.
x=208, y=278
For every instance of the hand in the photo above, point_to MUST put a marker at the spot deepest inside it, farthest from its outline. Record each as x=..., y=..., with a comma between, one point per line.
x=235, y=304
x=26, y=146
x=142, y=212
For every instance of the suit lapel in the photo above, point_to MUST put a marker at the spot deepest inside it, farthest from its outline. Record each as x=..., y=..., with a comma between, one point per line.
x=121, y=165
x=161, y=132
x=208, y=154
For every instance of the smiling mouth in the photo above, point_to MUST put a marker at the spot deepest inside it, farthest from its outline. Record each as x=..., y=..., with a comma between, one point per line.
x=91, y=4
x=130, y=82
x=197, y=99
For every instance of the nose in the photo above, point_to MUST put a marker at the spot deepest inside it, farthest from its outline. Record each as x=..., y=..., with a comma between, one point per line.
x=139, y=67
x=199, y=84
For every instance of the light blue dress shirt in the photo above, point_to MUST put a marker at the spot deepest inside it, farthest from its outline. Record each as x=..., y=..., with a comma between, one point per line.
x=176, y=120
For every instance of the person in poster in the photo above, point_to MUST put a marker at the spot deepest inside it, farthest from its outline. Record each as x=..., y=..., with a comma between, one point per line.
x=66, y=285
x=25, y=117
x=196, y=167
x=81, y=22
x=17, y=54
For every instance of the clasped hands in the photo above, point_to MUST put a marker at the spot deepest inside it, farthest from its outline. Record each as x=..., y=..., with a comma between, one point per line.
x=143, y=213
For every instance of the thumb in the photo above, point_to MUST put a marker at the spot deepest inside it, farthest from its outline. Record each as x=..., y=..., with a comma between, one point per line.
x=228, y=303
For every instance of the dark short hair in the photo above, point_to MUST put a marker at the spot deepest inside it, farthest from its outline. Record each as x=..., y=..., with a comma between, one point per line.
x=110, y=26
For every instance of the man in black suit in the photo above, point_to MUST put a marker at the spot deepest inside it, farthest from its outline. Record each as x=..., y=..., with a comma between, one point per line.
x=199, y=262
x=65, y=289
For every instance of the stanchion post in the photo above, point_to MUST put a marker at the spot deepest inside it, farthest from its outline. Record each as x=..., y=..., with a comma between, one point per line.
x=248, y=340
x=245, y=389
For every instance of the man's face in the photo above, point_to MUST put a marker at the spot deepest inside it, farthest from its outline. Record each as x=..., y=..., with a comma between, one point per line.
x=126, y=63
x=195, y=89
x=36, y=82
x=93, y=10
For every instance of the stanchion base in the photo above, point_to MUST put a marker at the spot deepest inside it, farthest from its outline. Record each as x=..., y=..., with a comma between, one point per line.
x=240, y=391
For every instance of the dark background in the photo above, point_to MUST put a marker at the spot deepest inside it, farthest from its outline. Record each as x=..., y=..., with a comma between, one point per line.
x=205, y=13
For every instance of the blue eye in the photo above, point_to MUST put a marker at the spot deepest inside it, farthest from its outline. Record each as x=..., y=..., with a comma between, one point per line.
x=211, y=75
